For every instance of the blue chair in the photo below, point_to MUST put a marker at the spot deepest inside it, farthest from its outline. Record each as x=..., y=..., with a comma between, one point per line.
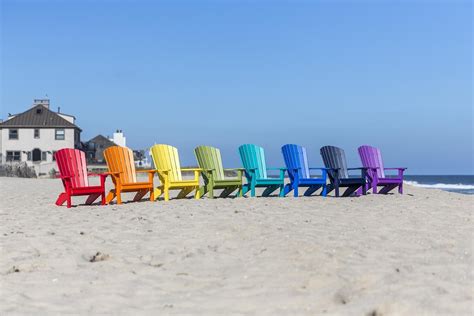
x=299, y=172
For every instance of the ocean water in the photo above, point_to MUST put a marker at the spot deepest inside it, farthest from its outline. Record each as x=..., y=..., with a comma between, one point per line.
x=455, y=183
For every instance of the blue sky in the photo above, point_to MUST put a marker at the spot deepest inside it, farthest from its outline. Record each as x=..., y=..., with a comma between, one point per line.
x=394, y=74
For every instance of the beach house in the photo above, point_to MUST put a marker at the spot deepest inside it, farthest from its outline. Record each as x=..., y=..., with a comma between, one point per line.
x=36, y=134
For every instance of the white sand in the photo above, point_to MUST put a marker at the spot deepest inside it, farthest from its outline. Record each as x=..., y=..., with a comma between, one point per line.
x=374, y=255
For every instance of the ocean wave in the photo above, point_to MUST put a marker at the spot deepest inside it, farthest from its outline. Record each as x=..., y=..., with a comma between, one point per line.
x=443, y=186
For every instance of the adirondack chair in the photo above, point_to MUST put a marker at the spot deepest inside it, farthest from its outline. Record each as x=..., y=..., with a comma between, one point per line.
x=253, y=160
x=73, y=173
x=299, y=173
x=166, y=160
x=372, y=159
x=209, y=160
x=121, y=166
x=335, y=161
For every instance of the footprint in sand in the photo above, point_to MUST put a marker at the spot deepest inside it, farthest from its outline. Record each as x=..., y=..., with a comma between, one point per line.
x=13, y=269
x=342, y=296
x=99, y=257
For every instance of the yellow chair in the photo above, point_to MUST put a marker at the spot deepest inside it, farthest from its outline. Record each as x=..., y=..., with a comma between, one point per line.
x=166, y=160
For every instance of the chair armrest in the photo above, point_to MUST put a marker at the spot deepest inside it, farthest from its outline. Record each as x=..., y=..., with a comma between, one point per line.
x=191, y=169
x=359, y=168
x=112, y=173
x=277, y=168
x=395, y=168
x=146, y=171
x=91, y=174
x=318, y=168
x=234, y=169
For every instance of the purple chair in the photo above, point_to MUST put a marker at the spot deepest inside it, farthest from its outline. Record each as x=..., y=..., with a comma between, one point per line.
x=372, y=160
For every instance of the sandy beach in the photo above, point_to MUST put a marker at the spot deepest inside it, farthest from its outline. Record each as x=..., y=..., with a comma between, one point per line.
x=375, y=255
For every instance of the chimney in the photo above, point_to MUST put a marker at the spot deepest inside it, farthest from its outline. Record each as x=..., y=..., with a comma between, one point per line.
x=59, y=109
x=43, y=102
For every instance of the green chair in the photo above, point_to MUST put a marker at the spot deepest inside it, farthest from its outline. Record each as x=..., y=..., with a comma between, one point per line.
x=209, y=160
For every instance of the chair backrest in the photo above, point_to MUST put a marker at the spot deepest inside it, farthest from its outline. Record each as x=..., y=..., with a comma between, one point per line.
x=165, y=157
x=72, y=163
x=253, y=157
x=371, y=158
x=210, y=158
x=295, y=158
x=120, y=159
x=334, y=157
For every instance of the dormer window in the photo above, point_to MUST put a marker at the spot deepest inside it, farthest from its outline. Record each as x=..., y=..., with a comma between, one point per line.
x=37, y=133
x=39, y=110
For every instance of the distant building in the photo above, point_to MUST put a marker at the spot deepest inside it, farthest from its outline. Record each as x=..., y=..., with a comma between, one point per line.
x=119, y=138
x=36, y=134
x=95, y=147
x=141, y=159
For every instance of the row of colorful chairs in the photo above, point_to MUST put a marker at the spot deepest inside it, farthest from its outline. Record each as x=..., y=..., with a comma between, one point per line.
x=121, y=168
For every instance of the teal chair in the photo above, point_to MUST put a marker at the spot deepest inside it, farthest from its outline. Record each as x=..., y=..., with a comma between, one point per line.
x=253, y=159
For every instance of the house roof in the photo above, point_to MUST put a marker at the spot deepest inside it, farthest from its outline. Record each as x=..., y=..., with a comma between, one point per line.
x=99, y=139
x=38, y=116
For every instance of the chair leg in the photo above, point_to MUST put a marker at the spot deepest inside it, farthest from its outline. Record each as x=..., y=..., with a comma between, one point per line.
x=110, y=196
x=282, y=190
x=252, y=191
x=102, y=198
x=210, y=190
x=197, y=193
x=119, y=196
x=311, y=190
x=288, y=188
x=167, y=194
x=139, y=195
x=227, y=191
x=184, y=192
x=270, y=189
x=350, y=190
x=152, y=194
x=325, y=190
x=239, y=191
x=295, y=190
x=92, y=198
x=157, y=192
x=245, y=189
x=61, y=199
x=400, y=188
x=69, y=201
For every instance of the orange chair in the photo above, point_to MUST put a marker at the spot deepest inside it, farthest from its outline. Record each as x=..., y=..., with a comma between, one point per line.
x=122, y=169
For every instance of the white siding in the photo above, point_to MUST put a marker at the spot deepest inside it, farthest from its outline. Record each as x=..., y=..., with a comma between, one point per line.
x=26, y=142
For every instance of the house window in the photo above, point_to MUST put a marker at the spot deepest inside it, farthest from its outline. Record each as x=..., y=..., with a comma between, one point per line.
x=43, y=155
x=54, y=155
x=12, y=134
x=13, y=156
x=37, y=133
x=59, y=134
x=28, y=156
